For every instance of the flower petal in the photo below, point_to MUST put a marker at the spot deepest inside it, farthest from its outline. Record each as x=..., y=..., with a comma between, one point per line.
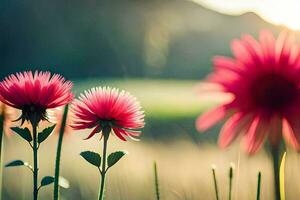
x=291, y=132
x=97, y=129
x=256, y=135
x=234, y=126
x=118, y=133
x=210, y=118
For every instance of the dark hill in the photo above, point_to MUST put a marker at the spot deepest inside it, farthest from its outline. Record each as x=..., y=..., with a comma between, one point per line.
x=117, y=38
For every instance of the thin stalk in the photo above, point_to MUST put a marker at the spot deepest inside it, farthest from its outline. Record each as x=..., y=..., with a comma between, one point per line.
x=35, y=162
x=156, y=182
x=215, y=182
x=1, y=150
x=258, y=186
x=58, y=153
x=282, y=176
x=106, y=132
x=230, y=181
x=276, y=158
x=237, y=176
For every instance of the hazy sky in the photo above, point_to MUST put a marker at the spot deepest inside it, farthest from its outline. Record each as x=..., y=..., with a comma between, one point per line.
x=284, y=12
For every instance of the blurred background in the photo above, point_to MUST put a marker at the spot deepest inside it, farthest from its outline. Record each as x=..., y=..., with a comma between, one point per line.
x=159, y=51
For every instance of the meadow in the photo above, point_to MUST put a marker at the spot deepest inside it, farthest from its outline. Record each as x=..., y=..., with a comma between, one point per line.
x=160, y=51
x=184, y=157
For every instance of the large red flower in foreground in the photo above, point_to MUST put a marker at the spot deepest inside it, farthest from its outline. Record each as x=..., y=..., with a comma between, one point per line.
x=107, y=107
x=264, y=81
x=33, y=93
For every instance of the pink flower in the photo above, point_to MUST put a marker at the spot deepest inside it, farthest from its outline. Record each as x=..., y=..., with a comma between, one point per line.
x=263, y=79
x=99, y=107
x=35, y=93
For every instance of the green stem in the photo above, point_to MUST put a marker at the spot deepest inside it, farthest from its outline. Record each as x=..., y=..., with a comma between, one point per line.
x=1, y=150
x=106, y=132
x=258, y=186
x=230, y=181
x=215, y=183
x=276, y=159
x=58, y=153
x=156, y=182
x=35, y=162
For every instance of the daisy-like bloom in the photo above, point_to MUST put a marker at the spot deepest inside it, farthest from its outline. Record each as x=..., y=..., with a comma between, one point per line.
x=106, y=107
x=34, y=93
x=263, y=79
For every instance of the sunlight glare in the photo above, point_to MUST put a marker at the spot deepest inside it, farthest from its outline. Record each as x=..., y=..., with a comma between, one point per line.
x=279, y=12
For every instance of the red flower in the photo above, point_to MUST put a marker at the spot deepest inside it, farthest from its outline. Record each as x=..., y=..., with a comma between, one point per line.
x=107, y=107
x=35, y=93
x=264, y=81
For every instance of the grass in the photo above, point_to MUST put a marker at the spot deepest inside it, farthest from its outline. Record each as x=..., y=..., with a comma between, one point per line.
x=184, y=162
x=184, y=171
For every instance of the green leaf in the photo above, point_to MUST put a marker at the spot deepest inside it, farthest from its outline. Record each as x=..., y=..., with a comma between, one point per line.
x=23, y=132
x=113, y=158
x=17, y=163
x=47, y=180
x=64, y=183
x=45, y=133
x=92, y=157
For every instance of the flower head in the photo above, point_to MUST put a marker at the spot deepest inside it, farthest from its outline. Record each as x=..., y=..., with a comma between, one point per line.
x=34, y=93
x=263, y=79
x=106, y=107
